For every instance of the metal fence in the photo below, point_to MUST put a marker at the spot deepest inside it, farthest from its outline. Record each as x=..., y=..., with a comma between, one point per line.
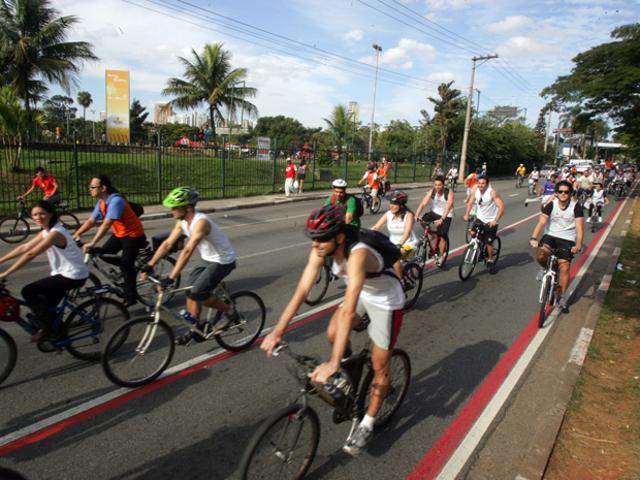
x=147, y=174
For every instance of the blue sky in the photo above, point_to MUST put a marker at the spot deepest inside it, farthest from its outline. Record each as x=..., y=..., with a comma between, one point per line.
x=424, y=42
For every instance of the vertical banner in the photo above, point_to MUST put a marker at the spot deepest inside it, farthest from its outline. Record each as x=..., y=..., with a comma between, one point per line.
x=264, y=147
x=117, y=88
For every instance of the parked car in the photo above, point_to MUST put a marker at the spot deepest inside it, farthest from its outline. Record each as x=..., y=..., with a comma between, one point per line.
x=580, y=164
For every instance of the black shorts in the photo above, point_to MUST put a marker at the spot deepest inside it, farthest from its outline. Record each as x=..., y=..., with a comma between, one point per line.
x=562, y=246
x=301, y=176
x=206, y=277
x=443, y=228
x=488, y=232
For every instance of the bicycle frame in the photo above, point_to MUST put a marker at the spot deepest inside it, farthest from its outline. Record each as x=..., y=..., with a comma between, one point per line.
x=551, y=272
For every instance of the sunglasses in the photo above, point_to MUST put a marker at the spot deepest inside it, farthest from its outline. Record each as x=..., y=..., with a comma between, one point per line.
x=564, y=191
x=91, y=187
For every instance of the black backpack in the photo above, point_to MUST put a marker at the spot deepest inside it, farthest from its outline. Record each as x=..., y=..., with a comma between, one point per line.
x=137, y=208
x=389, y=252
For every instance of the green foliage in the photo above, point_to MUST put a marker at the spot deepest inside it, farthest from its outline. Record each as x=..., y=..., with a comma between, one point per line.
x=172, y=132
x=286, y=132
x=58, y=109
x=14, y=123
x=137, y=116
x=341, y=127
x=399, y=137
x=448, y=110
x=84, y=100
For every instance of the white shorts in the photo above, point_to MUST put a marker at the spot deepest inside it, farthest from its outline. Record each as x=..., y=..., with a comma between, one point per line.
x=384, y=325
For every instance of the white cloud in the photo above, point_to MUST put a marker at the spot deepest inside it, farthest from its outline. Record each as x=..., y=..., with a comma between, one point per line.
x=510, y=24
x=403, y=55
x=441, y=77
x=411, y=45
x=355, y=35
x=452, y=4
x=521, y=48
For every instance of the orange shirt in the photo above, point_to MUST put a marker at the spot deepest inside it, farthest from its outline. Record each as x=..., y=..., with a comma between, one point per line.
x=472, y=179
x=46, y=183
x=125, y=223
x=372, y=180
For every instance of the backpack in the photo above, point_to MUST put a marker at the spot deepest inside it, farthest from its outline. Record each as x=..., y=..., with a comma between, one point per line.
x=137, y=208
x=389, y=252
x=359, y=207
x=9, y=307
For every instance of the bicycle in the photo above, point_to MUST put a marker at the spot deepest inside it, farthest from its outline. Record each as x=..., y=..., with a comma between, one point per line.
x=476, y=250
x=15, y=228
x=519, y=179
x=285, y=445
x=427, y=250
x=470, y=222
x=533, y=184
x=549, y=287
x=80, y=328
x=321, y=285
x=596, y=213
x=453, y=183
x=369, y=202
x=141, y=349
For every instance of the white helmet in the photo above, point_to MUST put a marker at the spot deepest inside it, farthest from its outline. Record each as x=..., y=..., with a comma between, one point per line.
x=339, y=183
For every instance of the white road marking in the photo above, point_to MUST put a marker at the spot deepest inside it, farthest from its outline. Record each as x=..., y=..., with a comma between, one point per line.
x=579, y=351
x=279, y=249
x=270, y=220
x=616, y=252
x=605, y=283
x=514, y=195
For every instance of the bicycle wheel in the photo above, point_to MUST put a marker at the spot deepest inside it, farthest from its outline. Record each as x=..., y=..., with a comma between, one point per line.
x=90, y=325
x=469, y=259
x=8, y=355
x=545, y=294
x=320, y=286
x=138, y=352
x=443, y=259
x=241, y=333
x=147, y=291
x=69, y=221
x=14, y=229
x=497, y=246
x=400, y=375
x=467, y=235
x=283, y=447
x=375, y=204
x=412, y=278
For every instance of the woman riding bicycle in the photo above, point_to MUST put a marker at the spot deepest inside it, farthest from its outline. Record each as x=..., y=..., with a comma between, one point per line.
x=441, y=213
x=68, y=270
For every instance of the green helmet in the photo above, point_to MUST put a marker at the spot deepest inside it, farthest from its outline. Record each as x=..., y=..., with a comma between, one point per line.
x=181, y=197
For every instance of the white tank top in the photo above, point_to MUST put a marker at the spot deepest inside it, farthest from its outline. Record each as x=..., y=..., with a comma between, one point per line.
x=487, y=210
x=562, y=223
x=439, y=204
x=67, y=261
x=597, y=196
x=396, y=225
x=215, y=247
x=383, y=291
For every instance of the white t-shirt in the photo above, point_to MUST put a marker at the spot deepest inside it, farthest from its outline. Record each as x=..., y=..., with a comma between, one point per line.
x=396, y=225
x=383, y=291
x=67, y=261
x=598, y=196
x=215, y=247
x=486, y=207
x=562, y=223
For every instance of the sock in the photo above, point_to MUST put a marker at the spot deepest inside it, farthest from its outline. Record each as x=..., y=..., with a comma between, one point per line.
x=367, y=422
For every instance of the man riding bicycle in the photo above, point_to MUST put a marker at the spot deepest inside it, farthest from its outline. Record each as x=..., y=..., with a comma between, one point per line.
x=47, y=183
x=371, y=289
x=597, y=200
x=564, y=232
x=218, y=259
x=348, y=202
x=441, y=212
x=521, y=171
x=452, y=175
x=371, y=177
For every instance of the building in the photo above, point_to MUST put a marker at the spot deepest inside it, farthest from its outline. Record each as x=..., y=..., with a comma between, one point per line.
x=354, y=111
x=162, y=111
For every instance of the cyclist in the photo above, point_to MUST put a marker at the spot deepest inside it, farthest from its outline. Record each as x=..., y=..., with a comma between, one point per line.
x=218, y=259
x=127, y=232
x=598, y=176
x=598, y=199
x=548, y=190
x=351, y=204
x=371, y=177
x=368, y=291
x=564, y=221
x=383, y=173
x=452, y=174
x=584, y=185
x=534, y=177
x=471, y=181
x=489, y=210
x=441, y=212
x=68, y=270
x=47, y=183
x=521, y=171
x=399, y=221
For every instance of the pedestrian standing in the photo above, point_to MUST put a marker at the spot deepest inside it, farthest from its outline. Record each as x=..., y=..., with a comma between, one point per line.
x=289, y=177
x=302, y=172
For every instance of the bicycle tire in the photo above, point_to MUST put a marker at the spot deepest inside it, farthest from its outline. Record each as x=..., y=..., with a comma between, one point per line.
x=252, y=312
x=76, y=324
x=320, y=287
x=8, y=355
x=543, y=300
x=412, y=278
x=446, y=252
x=14, y=229
x=497, y=247
x=277, y=440
x=69, y=220
x=123, y=349
x=376, y=203
x=399, y=387
x=468, y=264
x=146, y=291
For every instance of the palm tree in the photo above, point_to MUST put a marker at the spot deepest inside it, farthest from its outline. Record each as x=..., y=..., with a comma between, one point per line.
x=210, y=79
x=14, y=124
x=84, y=100
x=446, y=108
x=33, y=48
x=339, y=126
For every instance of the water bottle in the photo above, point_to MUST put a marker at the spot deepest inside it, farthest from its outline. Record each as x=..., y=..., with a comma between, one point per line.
x=188, y=317
x=338, y=387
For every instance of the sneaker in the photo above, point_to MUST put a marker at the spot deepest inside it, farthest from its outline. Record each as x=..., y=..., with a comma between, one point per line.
x=439, y=261
x=563, y=305
x=197, y=333
x=356, y=442
x=588, y=219
x=540, y=274
x=599, y=219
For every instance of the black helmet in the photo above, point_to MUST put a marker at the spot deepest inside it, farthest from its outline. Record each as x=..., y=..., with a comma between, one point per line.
x=398, y=197
x=325, y=223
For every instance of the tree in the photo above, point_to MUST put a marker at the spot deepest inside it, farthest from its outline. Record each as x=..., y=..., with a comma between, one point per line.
x=33, y=48
x=284, y=131
x=449, y=106
x=502, y=114
x=14, y=123
x=605, y=80
x=541, y=124
x=398, y=137
x=58, y=109
x=340, y=127
x=137, y=116
x=84, y=100
x=210, y=79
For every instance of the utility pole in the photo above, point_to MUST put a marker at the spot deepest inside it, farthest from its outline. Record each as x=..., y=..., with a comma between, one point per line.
x=546, y=133
x=478, y=104
x=467, y=122
x=378, y=49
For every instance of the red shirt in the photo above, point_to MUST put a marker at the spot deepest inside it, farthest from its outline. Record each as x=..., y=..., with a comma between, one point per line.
x=290, y=171
x=46, y=183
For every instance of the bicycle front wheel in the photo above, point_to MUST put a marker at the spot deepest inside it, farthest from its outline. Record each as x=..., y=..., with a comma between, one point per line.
x=375, y=204
x=319, y=287
x=400, y=376
x=469, y=259
x=138, y=352
x=412, y=278
x=14, y=229
x=147, y=291
x=69, y=221
x=90, y=325
x=545, y=295
x=283, y=447
x=242, y=332
x=8, y=355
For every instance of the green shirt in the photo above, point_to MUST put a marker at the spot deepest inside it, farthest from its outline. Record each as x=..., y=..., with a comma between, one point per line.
x=350, y=208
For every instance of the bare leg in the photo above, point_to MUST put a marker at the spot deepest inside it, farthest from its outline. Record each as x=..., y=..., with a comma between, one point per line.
x=380, y=359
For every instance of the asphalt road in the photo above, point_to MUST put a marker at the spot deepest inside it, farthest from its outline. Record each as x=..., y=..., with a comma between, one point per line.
x=197, y=426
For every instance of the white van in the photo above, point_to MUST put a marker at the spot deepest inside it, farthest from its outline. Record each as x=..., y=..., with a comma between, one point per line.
x=580, y=164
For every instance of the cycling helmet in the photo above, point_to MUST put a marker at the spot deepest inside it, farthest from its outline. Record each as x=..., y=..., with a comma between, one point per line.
x=339, y=183
x=325, y=223
x=371, y=167
x=181, y=197
x=398, y=197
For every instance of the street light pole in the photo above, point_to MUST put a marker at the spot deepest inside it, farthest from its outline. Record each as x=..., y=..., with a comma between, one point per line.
x=478, y=104
x=467, y=122
x=378, y=49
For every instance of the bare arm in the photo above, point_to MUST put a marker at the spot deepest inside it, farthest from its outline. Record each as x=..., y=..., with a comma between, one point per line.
x=382, y=221
x=470, y=199
x=88, y=225
x=27, y=193
x=498, y=199
x=542, y=221
x=579, y=234
x=200, y=230
x=425, y=201
x=102, y=230
x=42, y=245
x=409, y=220
x=19, y=250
